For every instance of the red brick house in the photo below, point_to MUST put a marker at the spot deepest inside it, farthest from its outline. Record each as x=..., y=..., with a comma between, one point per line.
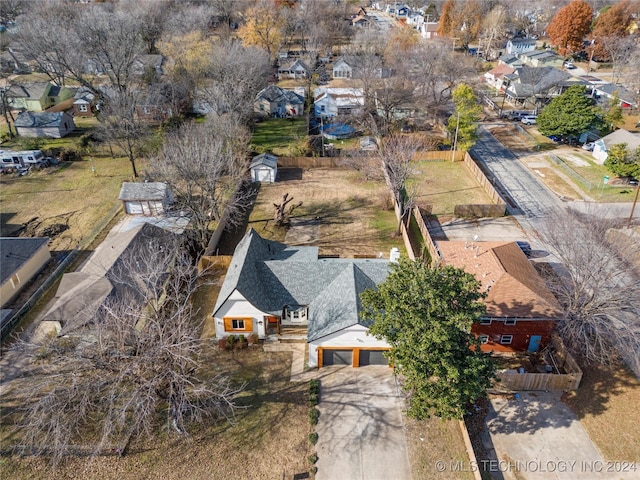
x=521, y=310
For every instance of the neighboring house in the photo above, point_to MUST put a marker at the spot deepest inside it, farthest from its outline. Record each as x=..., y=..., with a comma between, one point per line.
x=37, y=96
x=342, y=68
x=331, y=102
x=106, y=274
x=350, y=66
x=264, y=168
x=44, y=124
x=601, y=147
x=609, y=91
x=535, y=85
x=516, y=46
x=495, y=76
x=21, y=259
x=521, y=311
x=542, y=58
x=144, y=64
x=293, y=69
x=275, y=101
x=149, y=198
x=270, y=286
x=510, y=60
x=84, y=102
x=428, y=30
x=361, y=21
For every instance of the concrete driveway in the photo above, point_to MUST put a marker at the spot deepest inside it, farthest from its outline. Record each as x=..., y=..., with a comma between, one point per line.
x=361, y=431
x=538, y=437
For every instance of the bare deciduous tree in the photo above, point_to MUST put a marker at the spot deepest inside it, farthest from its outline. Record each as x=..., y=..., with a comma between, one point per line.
x=284, y=209
x=597, y=285
x=205, y=165
x=137, y=358
x=396, y=155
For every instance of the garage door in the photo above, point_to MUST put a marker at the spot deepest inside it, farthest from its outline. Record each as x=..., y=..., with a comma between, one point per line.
x=134, y=208
x=262, y=175
x=373, y=357
x=337, y=357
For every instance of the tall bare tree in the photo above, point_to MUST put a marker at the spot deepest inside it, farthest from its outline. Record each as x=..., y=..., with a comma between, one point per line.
x=205, y=165
x=396, y=155
x=597, y=284
x=136, y=359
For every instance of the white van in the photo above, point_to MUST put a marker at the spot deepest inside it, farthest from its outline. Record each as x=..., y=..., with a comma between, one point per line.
x=529, y=119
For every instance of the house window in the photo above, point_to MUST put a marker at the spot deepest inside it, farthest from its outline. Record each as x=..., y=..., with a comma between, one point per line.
x=322, y=108
x=483, y=338
x=506, y=339
x=262, y=107
x=241, y=324
x=485, y=321
x=510, y=321
x=237, y=324
x=297, y=314
x=83, y=108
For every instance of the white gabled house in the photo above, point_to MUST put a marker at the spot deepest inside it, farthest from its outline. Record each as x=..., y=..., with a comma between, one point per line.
x=270, y=287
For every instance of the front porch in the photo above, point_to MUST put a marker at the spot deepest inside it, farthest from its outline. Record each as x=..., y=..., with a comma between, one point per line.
x=287, y=334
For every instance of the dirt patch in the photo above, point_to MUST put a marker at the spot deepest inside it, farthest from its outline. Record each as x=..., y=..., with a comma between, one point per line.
x=342, y=213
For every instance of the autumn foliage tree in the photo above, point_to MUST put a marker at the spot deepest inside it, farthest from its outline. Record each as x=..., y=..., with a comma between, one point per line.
x=445, y=25
x=570, y=26
x=610, y=26
x=263, y=27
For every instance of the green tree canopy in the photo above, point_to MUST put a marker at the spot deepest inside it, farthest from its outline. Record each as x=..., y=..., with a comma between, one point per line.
x=569, y=114
x=622, y=162
x=426, y=315
x=467, y=106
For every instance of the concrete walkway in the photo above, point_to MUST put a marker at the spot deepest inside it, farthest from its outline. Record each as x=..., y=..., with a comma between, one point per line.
x=297, y=362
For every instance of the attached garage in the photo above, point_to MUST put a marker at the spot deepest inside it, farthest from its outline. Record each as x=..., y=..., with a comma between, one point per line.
x=373, y=357
x=337, y=357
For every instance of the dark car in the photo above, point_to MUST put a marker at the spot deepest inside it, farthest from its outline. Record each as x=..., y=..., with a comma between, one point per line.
x=555, y=138
x=525, y=247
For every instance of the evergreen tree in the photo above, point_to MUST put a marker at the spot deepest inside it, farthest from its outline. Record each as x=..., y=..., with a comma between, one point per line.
x=469, y=110
x=569, y=114
x=426, y=315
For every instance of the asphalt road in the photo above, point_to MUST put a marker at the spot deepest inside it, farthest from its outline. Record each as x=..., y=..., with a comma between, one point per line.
x=528, y=199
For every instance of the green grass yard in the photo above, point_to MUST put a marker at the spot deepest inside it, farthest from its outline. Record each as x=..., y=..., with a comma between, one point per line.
x=281, y=136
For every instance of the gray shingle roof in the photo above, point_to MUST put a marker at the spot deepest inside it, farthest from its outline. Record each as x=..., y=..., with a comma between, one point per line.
x=273, y=94
x=264, y=159
x=15, y=252
x=39, y=119
x=132, y=191
x=271, y=275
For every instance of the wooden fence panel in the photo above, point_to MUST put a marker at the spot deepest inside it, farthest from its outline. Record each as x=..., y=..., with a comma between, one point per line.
x=307, y=162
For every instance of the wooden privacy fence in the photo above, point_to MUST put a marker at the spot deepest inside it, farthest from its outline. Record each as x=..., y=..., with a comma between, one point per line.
x=214, y=261
x=307, y=162
x=440, y=156
x=500, y=204
x=560, y=359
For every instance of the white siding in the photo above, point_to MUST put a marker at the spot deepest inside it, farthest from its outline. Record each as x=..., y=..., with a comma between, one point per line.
x=356, y=336
x=238, y=306
x=134, y=208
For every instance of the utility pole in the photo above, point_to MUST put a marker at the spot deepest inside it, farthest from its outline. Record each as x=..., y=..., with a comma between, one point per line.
x=633, y=206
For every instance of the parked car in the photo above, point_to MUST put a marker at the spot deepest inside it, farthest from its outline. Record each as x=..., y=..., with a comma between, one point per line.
x=525, y=247
x=555, y=138
x=588, y=146
x=529, y=119
x=569, y=65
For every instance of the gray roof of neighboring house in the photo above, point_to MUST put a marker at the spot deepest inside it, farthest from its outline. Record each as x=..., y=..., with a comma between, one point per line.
x=39, y=119
x=83, y=93
x=288, y=65
x=33, y=90
x=529, y=80
x=511, y=59
x=271, y=275
x=622, y=136
x=541, y=55
x=274, y=94
x=264, y=159
x=132, y=191
x=520, y=41
x=611, y=89
x=15, y=252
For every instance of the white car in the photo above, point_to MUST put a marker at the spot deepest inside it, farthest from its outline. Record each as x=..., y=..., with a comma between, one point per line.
x=588, y=146
x=529, y=120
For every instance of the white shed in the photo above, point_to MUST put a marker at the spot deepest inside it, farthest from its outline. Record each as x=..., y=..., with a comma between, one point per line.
x=264, y=168
x=149, y=198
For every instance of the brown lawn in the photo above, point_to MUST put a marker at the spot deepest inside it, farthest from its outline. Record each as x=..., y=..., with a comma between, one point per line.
x=70, y=195
x=268, y=440
x=607, y=405
x=347, y=215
